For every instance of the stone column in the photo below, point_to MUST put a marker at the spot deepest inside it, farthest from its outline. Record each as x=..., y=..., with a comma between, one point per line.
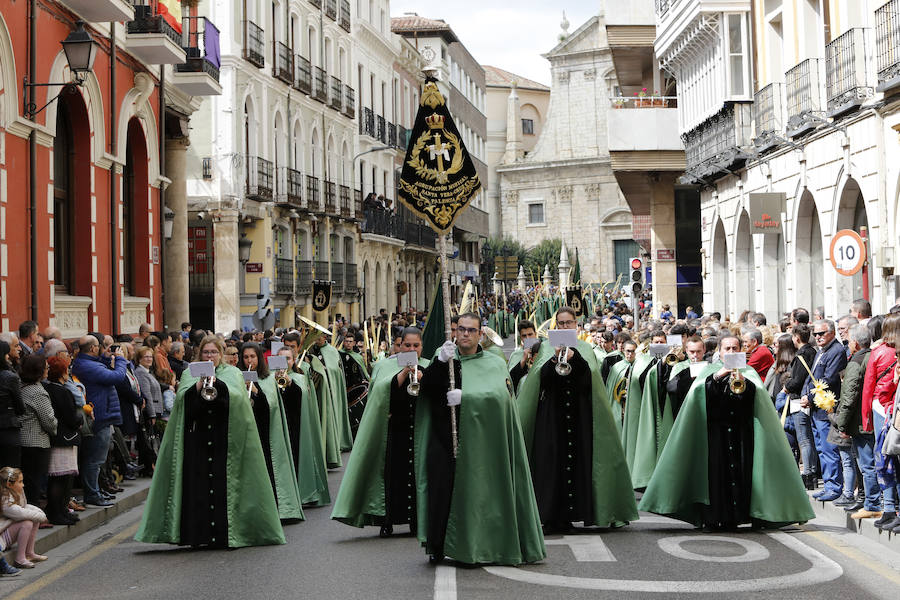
x=564, y=266
x=227, y=293
x=175, y=279
x=662, y=237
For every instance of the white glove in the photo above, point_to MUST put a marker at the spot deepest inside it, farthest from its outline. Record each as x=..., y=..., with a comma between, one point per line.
x=448, y=351
x=454, y=397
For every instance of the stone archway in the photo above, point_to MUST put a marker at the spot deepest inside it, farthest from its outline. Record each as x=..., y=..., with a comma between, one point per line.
x=380, y=296
x=852, y=214
x=772, y=301
x=809, y=259
x=720, y=300
x=745, y=266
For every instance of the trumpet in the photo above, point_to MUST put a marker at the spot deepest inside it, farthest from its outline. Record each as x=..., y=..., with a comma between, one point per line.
x=675, y=356
x=413, y=388
x=282, y=380
x=736, y=383
x=563, y=368
x=208, y=392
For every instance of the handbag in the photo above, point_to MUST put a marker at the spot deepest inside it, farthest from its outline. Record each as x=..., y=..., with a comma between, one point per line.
x=891, y=444
x=87, y=425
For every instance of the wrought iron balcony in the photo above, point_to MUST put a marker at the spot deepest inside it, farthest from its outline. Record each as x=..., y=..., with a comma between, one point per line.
x=284, y=63
x=845, y=72
x=887, y=46
x=330, y=199
x=259, y=179
x=199, y=75
x=367, y=123
x=153, y=37
x=320, y=85
x=357, y=204
x=290, y=188
x=349, y=109
x=392, y=135
x=768, y=112
x=331, y=9
x=312, y=193
x=350, y=285
x=719, y=143
x=379, y=221
x=284, y=276
x=382, y=130
x=254, y=44
x=337, y=276
x=804, y=96
x=304, y=276
x=321, y=269
x=344, y=192
x=303, y=76
x=345, y=16
x=402, y=137
x=336, y=96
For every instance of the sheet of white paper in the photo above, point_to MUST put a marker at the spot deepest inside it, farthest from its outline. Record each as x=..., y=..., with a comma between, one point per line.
x=277, y=363
x=276, y=346
x=795, y=406
x=697, y=367
x=563, y=337
x=250, y=375
x=407, y=359
x=734, y=361
x=203, y=368
x=529, y=342
x=659, y=349
x=673, y=340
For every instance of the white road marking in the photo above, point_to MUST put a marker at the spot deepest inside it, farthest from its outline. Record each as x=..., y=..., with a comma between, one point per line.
x=823, y=569
x=753, y=551
x=585, y=548
x=445, y=583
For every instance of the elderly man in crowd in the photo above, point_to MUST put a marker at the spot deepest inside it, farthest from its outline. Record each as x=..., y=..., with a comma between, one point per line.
x=758, y=355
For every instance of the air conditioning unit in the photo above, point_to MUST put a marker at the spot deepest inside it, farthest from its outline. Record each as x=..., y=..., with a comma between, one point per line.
x=884, y=257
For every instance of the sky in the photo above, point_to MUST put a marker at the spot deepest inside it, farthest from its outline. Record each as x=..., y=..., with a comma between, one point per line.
x=509, y=34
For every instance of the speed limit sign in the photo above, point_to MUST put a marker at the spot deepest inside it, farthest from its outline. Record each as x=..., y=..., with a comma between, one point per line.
x=848, y=252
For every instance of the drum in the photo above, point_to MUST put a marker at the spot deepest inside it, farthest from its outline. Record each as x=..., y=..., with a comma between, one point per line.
x=356, y=404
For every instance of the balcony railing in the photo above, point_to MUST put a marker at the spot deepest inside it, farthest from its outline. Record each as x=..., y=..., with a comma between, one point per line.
x=312, y=193
x=320, y=85
x=350, y=286
x=719, y=143
x=304, y=276
x=382, y=130
x=331, y=9
x=768, y=111
x=402, y=137
x=357, y=204
x=290, y=187
x=148, y=20
x=316, y=3
x=349, y=102
x=284, y=276
x=303, y=76
x=367, y=122
x=330, y=198
x=887, y=45
x=321, y=269
x=408, y=228
x=259, y=178
x=284, y=63
x=337, y=276
x=644, y=101
x=254, y=44
x=345, y=16
x=392, y=135
x=336, y=97
x=804, y=95
x=202, y=50
x=845, y=72
x=379, y=221
x=344, y=192
x=419, y=234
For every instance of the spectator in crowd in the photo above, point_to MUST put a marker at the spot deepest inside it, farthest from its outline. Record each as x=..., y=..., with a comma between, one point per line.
x=38, y=424
x=28, y=337
x=99, y=374
x=689, y=313
x=758, y=355
x=186, y=330
x=51, y=333
x=666, y=313
x=793, y=387
x=150, y=389
x=11, y=411
x=64, y=445
x=20, y=520
x=143, y=333
x=861, y=310
x=176, y=359
x=843, y=330
x=55, y=347
x=778, y=373
x=231, y=356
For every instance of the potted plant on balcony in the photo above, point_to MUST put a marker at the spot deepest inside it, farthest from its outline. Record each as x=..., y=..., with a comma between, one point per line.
x=640, y=99
x=658, y=101
x=618, y=102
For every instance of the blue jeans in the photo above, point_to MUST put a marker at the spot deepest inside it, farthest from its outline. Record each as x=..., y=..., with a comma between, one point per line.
x=864, y=444
x=95, y=449
x=888, y=488
x=803, y=429
x=848, y=469
x=829, y=460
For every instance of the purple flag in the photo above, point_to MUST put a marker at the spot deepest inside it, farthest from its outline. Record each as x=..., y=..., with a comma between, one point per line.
x=211, y=40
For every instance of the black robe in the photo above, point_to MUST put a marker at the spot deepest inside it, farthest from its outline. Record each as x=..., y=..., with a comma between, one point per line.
x=204, y=520
x=399, y=469
x=608, y=362
x=729, y=422
x=678, y=387
x=261, y=416
x=292, y=398
x=563, y=445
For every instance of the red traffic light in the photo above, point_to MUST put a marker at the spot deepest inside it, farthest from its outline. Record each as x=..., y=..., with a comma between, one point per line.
x=636, y=263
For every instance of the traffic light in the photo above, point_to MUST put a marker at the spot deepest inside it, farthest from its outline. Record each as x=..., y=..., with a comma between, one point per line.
x=637, y=276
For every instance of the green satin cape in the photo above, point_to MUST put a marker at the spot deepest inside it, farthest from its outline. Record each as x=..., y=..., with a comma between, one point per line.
x=642, y=362
x=312, y=477
x=286, y=488
x=337, y=385
x=252, y=512
x=616, y=373
x=322, y=393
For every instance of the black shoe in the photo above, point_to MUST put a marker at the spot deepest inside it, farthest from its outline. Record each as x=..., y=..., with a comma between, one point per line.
x=858, y=504
x=892, y=525
x=386, y=531
x=844, y=501
x=885, y=517
x=435, y=558
x=98, y=502
x=809, y=481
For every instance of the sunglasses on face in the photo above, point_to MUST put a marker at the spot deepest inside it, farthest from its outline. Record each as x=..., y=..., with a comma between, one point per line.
x=819, y=333
x=466, y=330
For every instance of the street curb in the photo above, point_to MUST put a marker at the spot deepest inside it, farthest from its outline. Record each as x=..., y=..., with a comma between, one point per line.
x=94, y=516
x=864, y=527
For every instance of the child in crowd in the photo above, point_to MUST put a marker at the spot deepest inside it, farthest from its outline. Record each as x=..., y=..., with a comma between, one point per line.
x=19, y=522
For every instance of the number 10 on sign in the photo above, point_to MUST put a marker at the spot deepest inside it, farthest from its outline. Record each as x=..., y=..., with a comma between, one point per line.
x=848, y=252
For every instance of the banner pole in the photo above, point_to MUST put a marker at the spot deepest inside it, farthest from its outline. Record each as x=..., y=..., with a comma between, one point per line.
x=445, y=291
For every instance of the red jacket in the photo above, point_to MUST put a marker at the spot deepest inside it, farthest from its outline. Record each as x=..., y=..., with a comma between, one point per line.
x=880, y=361
x=761, y=360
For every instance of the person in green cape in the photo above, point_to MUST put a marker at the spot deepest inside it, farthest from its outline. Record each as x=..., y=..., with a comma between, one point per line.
x=305, y=434
x=379, y=486
x=210, y=486
x=577, y=465
x=617, y=383
x=337, y=387
x=615, y=356
x=727, y=461
x=661, y=399
x=521, y=358
x=356, y=378
x=643, y=364
x=477, y=507
x=604, y=345
x=271, y=423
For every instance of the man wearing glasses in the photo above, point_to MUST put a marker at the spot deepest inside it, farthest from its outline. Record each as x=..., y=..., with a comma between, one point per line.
x=829, y=363
x=488, y=474
x=577, y=463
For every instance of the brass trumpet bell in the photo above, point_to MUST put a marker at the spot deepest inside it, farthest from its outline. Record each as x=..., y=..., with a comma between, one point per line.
x=736, y=383
x=208, y=392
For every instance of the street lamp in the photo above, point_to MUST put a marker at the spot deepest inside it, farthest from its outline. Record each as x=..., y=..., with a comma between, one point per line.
x=168, y=222
x=81, y=50
x=244, y=245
